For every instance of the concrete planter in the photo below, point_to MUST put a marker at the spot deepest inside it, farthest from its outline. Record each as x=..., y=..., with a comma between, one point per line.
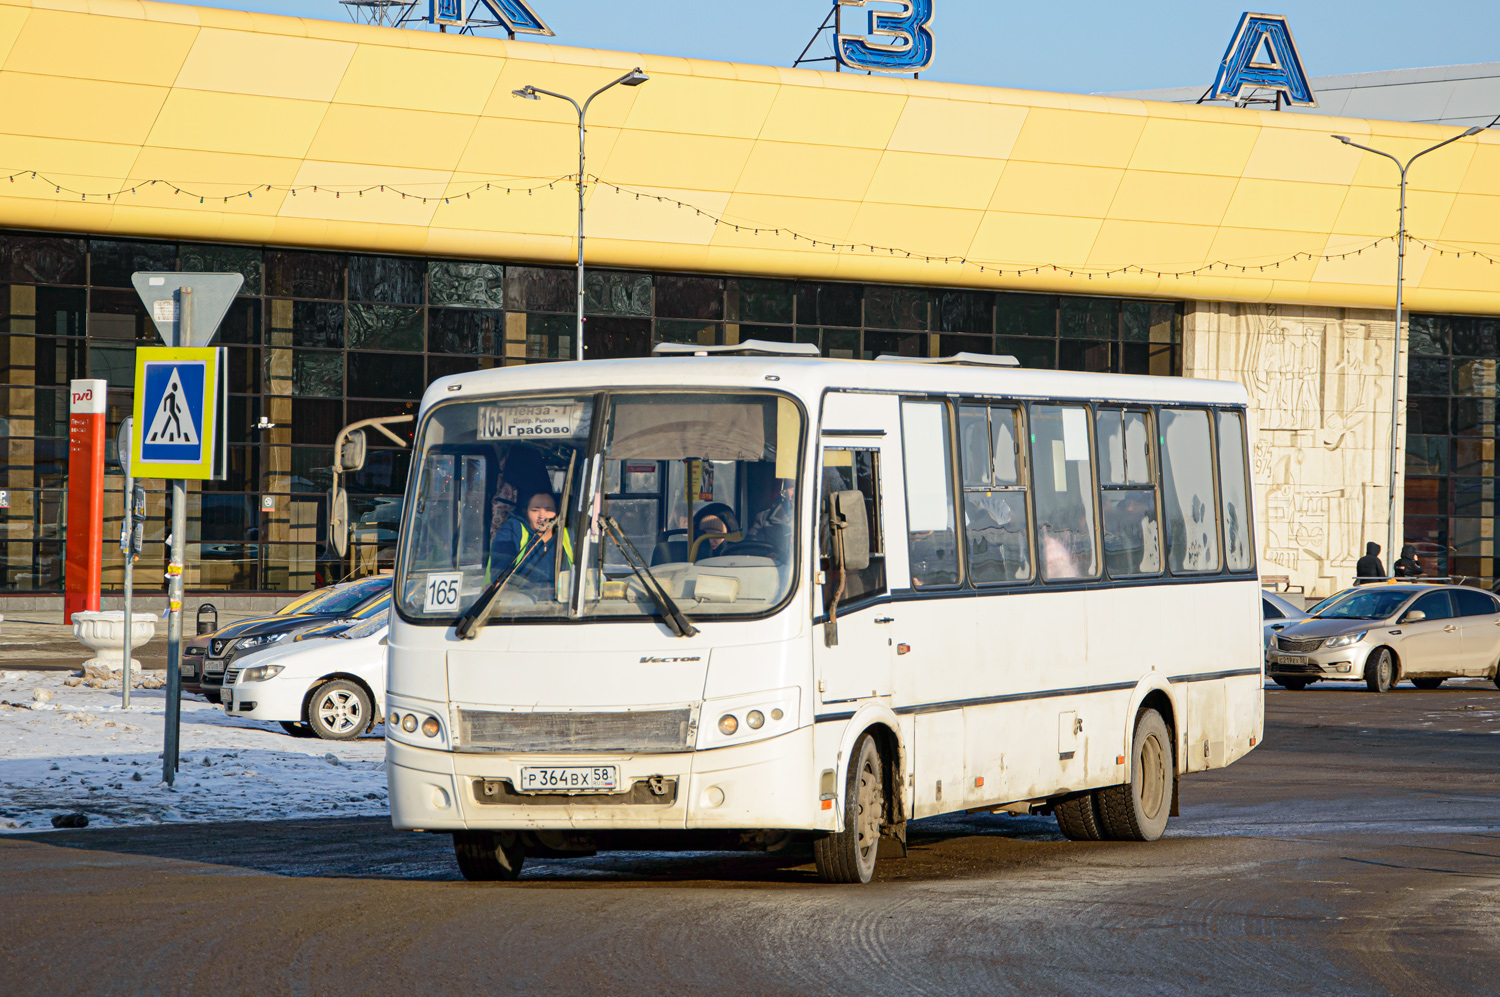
x=104, y=634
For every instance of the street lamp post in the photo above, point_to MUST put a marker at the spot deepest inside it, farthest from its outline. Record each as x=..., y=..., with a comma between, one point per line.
x=1390, y=549
x=634, y=78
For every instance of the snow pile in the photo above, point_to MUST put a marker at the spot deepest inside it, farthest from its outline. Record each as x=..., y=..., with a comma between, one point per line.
x=72, y=749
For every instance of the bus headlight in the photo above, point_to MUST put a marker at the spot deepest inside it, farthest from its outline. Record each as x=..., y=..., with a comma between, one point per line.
x=751, y=716
x=728, y=724
x=755, y=719
x=409, y=722
x=431, y=727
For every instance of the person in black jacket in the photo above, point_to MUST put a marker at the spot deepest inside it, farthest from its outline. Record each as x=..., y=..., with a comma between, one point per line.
x=1408, y=566
x=1369, y=567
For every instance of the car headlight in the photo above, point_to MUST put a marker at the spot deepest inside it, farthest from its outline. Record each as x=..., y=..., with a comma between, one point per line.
x=260, y=673
x=1345, y=640
x=246, y=643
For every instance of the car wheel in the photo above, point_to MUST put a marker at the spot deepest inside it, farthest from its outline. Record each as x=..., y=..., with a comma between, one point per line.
x=1296, y=685
x=1138, y=810
x=848, y=856
x=487, y=856
x=1078, y=817
x=296, y=729
x=1427, y=683
x=1380, y=671
x=339, y=711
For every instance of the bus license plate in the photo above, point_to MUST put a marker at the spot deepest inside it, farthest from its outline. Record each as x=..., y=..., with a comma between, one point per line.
x=1290, y=659
x=580, y=779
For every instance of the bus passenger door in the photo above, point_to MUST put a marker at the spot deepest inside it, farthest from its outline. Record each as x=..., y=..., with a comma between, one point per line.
x=860, y=434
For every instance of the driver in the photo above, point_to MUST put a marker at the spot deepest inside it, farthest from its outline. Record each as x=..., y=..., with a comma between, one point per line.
x=716, y=517
x=539, y=518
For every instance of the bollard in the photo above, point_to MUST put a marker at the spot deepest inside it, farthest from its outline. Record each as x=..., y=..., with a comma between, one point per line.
x=208, y=618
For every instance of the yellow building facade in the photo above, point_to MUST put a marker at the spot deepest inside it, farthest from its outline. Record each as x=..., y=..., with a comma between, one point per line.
x=129, y=120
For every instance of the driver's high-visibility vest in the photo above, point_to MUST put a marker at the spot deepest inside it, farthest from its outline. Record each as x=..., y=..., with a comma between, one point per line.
x=567, y=544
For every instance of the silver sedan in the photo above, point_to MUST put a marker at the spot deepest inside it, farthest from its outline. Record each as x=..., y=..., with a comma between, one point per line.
x=1384, y=633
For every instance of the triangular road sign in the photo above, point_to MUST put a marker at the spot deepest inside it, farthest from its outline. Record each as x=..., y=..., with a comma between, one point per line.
x=173, y=422
x=209, y=300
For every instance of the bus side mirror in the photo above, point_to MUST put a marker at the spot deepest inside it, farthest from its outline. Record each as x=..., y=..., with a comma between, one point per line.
x=850, y=523
x=1415, y=616
x=352, y=455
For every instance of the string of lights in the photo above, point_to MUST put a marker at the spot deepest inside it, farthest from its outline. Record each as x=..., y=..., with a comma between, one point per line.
x=414, y=190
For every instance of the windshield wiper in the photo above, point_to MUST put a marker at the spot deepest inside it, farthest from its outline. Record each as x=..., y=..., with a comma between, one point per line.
x=474, y=618
x=675, y=618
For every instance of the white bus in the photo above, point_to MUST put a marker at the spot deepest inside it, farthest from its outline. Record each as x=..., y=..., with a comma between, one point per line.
x=789, y=598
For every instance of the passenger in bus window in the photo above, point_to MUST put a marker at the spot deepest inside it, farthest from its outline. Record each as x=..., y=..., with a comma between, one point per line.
x=773, y=526
x=540, y=517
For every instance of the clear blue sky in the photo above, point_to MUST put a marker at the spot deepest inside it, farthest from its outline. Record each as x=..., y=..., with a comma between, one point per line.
x=1080, y=46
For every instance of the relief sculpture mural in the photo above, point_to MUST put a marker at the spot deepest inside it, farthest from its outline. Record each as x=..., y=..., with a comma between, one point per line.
x=1319, y=385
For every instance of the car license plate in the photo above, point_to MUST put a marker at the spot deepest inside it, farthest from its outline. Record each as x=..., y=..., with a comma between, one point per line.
x=211, y=668
x=579, y=779
x=226, y=700
x=1291, y=659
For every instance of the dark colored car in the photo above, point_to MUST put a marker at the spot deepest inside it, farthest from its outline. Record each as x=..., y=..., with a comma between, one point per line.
x=216, y=651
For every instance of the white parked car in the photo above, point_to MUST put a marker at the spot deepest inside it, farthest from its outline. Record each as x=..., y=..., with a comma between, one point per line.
x=329, y=682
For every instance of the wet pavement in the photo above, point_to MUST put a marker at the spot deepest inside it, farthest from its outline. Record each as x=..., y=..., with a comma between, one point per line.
x=1356, y=852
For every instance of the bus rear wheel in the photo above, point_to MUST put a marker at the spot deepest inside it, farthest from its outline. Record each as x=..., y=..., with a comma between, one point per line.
x=1137, y=811
x=848, y=856
x=1078, y=817
x=488, y=856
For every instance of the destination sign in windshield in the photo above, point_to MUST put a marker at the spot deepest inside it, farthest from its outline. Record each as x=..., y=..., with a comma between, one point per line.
x=529, y=422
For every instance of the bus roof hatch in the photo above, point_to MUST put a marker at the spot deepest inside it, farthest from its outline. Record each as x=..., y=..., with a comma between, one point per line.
x=749, y=348
x=959, y=359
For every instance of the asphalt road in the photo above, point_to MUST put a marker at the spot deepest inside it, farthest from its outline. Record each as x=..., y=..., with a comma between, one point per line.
x=1356, y=852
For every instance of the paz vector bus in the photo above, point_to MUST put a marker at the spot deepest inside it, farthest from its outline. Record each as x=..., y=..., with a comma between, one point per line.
x=746, y=596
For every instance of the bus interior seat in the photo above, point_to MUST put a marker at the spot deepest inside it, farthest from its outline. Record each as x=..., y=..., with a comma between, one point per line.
x=671, y=547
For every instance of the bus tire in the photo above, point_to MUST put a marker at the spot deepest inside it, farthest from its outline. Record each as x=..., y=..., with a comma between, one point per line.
x=1078, y=817
x=488, y=856
x=848, y=856
x=1138, y=810
x=1380, y=671
x=1427, y=683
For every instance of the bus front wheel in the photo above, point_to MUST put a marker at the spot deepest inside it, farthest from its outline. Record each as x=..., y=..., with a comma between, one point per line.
x=486, y=856
x=1137, y=811
x=848, y=856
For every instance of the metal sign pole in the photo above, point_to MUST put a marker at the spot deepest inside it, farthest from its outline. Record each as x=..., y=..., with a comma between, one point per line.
x=174, y=581
x=127, y=545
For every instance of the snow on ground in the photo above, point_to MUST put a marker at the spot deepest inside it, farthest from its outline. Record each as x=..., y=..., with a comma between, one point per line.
x=81, y=753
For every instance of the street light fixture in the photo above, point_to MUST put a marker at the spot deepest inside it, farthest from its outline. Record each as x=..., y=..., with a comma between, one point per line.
x=634, y=78
x=1400, y=280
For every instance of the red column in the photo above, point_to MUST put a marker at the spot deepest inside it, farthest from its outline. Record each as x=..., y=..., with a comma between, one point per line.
x=85, y=497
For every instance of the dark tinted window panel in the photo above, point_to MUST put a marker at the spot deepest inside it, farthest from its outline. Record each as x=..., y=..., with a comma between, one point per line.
x=966, y=344
x=1166, y=322
x=316, y=421
x=49, y=462
x=552, y=337
x=383, y=327
x=225, y=259
x=1469, y=496
x=1427, y=376
x=1166, y=361
x=241, y=323
x=28, y=411
x=895, y=307
x=1026, y=314
x=689, y=297
x=841, y=343
x=226, y=517
x=318, y=372
x=384, y=472
x=761, y=301
x=33, y=567
x=385, y=375
x=115, y=362
x=895, y=344
x=613, y=293
x=1469, y=457
x=1426, y=455
x=304, y=275
x=830, y=304
x=317, y=323
x=112, y=263
x=1040, y=354
x=244, y=413
x=466, y=285
x=1468, y=416
x=1089, y=318
x=40, y=259
x=1429, y=334
x=59, y=361
x=1135, y=321
x=538, y=289
x=439, y=366
x=1135, y=358
x=357, y=410
x=312, y=468
x=27, y=310
x=963, y=311
x=608, y=338
x=389, y=279
x=768, y=333
x=120, y=315
x=1474, y=337
x=244, y=370
x=690, y=332
x=1076, y=355
x=1427, y=415
x=1426, y=497
x=464, y=331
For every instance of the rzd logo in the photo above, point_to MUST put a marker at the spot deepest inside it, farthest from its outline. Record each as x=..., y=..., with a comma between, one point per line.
x=897, y=41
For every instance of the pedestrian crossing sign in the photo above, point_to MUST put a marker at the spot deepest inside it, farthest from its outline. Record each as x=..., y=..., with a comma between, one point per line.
x=176, y=424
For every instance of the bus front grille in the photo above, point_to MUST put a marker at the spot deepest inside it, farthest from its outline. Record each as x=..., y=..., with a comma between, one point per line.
x=643, y=731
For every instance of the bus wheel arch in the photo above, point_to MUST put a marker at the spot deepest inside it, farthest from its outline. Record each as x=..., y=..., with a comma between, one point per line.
x=881, y=724
x=1158, y=697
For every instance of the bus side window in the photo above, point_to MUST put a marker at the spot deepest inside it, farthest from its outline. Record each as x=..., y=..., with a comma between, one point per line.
x=1188, y=490
x=1234, y=492
x=932, y=537
x=853, y=470
x=1063, y=477
x=1132, y=537
x=995, y=520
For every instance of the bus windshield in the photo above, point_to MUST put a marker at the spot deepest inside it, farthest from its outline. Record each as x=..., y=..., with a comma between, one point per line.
x=691, y=491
